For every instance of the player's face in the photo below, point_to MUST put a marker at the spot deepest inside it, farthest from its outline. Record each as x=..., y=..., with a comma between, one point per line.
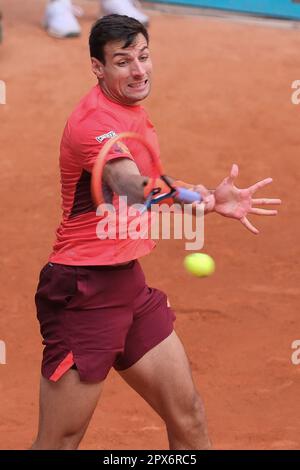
x=126, y=75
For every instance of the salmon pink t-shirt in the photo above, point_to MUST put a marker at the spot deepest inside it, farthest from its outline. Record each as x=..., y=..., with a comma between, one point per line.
x=79, y=240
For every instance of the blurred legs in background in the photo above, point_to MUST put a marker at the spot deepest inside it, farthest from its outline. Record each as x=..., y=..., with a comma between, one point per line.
x=60, y=19
x=124, y=7
x=61, y=15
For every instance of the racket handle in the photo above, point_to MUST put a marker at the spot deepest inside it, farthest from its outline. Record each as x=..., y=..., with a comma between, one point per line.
x=187, y=195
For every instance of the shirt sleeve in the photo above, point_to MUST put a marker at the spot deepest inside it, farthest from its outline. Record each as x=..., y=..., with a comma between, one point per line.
x=87, y=141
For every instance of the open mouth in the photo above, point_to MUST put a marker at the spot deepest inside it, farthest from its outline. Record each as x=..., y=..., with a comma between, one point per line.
x=139, y=85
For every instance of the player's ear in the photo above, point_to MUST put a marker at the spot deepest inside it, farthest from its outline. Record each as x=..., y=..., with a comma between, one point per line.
x=97, y=67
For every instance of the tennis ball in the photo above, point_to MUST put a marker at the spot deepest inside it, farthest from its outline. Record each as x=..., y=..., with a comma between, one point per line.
x=199, y=264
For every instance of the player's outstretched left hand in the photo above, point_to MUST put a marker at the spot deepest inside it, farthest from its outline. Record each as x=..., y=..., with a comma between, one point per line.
x=231, y=201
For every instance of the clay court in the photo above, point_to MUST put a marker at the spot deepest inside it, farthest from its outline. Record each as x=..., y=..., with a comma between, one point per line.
x=221, y=95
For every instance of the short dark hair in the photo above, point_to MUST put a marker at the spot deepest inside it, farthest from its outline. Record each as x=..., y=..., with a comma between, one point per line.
x=114, y=28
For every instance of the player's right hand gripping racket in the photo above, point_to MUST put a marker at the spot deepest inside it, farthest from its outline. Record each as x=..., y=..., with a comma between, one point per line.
x=155, y=195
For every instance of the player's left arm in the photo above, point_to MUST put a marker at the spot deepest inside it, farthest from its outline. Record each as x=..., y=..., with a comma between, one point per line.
x=237, y=203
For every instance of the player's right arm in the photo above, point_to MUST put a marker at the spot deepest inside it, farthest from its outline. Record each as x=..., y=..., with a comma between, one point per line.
x=123, y=177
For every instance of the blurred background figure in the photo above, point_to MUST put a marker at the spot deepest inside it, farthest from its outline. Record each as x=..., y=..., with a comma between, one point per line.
x=61, y=19
x=61, y=15
x=124, y=7
x=0, y=26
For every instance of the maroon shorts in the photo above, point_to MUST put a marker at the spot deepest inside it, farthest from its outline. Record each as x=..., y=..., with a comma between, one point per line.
x=96, y=317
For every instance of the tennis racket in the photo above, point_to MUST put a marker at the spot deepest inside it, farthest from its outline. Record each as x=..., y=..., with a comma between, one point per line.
x=183, y=194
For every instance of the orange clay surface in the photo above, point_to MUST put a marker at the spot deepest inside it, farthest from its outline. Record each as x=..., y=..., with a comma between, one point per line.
x=221, y=94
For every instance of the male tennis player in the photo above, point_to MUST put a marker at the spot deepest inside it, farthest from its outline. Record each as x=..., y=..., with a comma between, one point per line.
x=94, y=306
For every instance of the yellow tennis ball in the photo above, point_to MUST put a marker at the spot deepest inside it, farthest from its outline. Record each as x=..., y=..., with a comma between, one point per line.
x=199, y=264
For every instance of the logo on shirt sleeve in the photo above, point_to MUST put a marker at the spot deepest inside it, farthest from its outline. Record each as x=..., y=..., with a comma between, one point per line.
x=108, y=135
